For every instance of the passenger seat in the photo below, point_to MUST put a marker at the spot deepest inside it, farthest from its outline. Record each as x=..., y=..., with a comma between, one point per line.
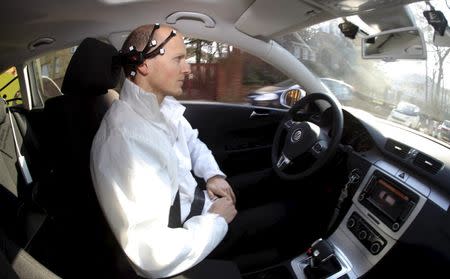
x=20, y=218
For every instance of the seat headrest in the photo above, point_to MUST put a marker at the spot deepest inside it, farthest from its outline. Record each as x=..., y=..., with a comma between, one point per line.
x=2, y=111
x=92, y=70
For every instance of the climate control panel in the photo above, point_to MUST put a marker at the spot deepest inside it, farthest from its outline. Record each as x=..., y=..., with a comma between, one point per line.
x=367, y=235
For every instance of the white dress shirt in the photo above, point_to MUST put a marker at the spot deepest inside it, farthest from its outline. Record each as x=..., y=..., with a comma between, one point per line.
x=142, y=154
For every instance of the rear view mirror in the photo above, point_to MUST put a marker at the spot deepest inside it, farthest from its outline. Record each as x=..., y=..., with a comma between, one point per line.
x=402, y=43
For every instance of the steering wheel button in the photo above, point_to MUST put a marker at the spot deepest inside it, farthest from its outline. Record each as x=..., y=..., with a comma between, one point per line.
x=318, y=147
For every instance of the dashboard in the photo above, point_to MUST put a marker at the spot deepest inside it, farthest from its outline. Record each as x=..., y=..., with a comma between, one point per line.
x=398, y=221
x=377, y=139
x=404, y=177
x=355, y=134
x=401, y=208
x=395, y=227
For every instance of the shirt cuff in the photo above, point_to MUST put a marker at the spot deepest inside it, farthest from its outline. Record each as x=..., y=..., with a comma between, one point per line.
x=221, y=221
x=210, y=174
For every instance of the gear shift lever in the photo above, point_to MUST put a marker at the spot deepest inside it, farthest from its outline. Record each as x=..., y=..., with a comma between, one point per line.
x=320, y=251
x=323, y=262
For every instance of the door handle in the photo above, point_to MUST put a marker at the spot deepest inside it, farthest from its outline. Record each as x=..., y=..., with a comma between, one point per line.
x=258, y=114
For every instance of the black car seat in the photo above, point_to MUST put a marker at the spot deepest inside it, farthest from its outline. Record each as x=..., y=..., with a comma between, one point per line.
x=81, y=234
x=20, y=218
x=15, y=262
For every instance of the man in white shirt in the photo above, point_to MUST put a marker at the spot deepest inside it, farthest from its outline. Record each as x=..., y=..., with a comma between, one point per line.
x=141, y=162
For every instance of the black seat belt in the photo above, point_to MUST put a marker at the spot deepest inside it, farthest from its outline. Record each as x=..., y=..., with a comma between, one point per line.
x=175, y=213
x=197, y=203
x=196, y=208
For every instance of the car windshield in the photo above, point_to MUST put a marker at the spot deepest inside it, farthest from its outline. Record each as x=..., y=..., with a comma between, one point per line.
x=413, y=87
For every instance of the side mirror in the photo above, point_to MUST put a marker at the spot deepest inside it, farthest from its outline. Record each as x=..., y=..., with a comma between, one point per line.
x=291, y=96
x=402, y=43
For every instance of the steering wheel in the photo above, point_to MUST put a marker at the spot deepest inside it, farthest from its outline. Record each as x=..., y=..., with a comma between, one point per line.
x=304, y=136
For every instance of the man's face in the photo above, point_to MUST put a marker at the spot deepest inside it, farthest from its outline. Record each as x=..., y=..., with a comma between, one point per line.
x=167, y=72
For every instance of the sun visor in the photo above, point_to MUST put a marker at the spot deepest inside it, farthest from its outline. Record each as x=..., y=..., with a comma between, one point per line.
x=267, y=17
x=387, y=19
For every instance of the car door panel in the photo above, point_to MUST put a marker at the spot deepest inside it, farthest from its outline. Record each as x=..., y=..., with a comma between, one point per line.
x=240, y=136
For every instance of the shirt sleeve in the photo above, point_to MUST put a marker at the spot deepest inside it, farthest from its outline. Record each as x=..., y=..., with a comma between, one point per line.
x=134, y=181
x=203, y=162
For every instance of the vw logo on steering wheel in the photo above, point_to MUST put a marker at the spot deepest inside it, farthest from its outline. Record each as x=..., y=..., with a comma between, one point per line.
x=296, y=135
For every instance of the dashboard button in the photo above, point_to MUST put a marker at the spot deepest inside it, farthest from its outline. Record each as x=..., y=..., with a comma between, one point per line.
x=361, y=197
x=362, y=235
x=395, y=227
x=351, y=223
x=402, y=175
x=375, y=247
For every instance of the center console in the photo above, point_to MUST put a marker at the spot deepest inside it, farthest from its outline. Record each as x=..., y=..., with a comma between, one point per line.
x=388, y=200
x=382, y=209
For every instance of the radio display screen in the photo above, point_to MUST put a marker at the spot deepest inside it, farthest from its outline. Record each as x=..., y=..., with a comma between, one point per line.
x=387, y=198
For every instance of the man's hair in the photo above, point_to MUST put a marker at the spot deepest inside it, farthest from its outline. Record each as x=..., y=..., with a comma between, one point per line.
x=137, y=38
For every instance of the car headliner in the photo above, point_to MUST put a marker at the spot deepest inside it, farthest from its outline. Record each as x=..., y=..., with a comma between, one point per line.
x=69, y=22
x=246, y=24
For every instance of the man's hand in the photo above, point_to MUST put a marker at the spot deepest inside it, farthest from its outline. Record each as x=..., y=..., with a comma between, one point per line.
x=217, y=186
x=225, y=208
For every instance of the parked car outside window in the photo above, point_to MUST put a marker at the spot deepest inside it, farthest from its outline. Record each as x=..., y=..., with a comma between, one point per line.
x=406, y=114
x=444, y=130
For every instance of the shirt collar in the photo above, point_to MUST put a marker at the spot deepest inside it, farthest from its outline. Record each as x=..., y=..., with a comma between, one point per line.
x=146, y=105
x=172, y=110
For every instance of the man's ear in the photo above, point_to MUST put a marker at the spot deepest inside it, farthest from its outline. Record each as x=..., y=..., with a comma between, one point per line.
x=144, y=68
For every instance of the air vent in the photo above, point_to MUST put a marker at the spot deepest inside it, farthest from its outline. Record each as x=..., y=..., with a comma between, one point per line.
x=397, y=148
x=427, y=163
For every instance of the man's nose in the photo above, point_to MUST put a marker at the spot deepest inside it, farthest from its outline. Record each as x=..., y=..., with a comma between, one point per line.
x=187, y=68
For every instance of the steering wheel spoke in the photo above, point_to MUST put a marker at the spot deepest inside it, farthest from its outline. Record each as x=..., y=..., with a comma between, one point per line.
x=283, y=162
x=303, y=115
x=319, y=149
x=288, y=124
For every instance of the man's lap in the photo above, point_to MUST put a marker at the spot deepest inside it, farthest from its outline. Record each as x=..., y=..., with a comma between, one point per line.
x=253, y=229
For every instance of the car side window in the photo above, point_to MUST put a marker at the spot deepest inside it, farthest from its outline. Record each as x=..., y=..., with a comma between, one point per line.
x=223, y=73
x=10, y=87
x=49, y=71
